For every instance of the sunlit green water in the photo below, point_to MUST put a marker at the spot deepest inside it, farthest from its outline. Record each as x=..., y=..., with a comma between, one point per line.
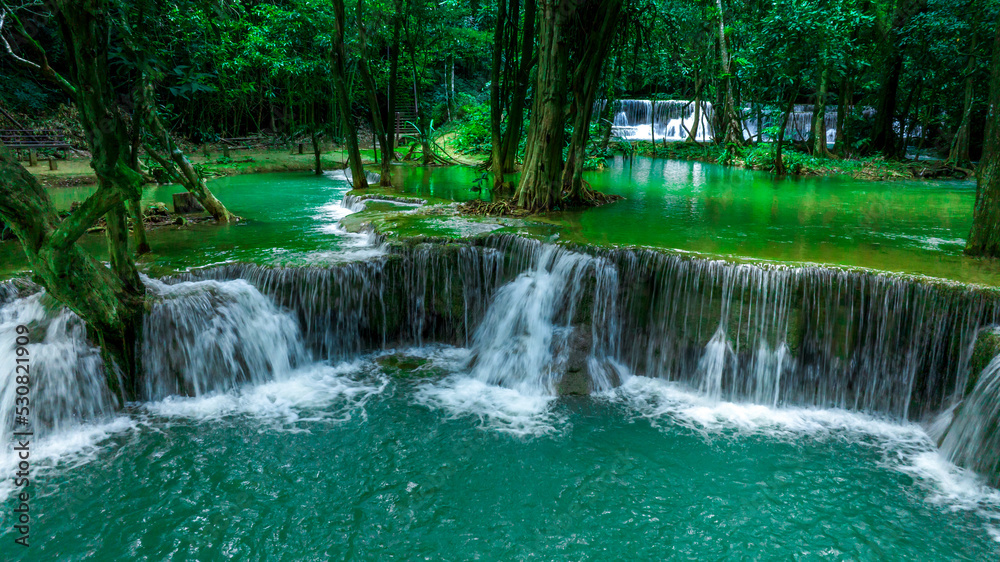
x=350, y=464
x=905, y=226
x=291, y=218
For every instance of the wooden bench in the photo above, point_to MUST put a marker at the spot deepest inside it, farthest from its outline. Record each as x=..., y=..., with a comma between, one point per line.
x=33, y=140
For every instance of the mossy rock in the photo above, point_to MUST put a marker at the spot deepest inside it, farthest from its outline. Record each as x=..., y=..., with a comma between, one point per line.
x=574, y=383
x=987, y=347
x=403, y=366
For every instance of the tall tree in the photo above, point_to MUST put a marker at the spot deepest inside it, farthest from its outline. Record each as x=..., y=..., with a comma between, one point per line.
x=111, y=303
x=589, y=25
x=378, y=123
x=984, y=239
x=338, y=54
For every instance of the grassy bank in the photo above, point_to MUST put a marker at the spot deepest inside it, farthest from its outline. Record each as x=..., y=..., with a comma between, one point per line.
x=761, y=157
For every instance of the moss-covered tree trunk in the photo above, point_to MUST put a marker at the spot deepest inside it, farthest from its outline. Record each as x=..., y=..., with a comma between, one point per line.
x=496, y=96
x=138, y=227
x=342, y=95
x=519, y=88
x=958, y=155
x=819, y=115
x=176, y=163
x=599, y=27
x=844, y=97
x=317, y=152
x=111, y=302
x=540, y=187
x=729, y=125
x=884, y=130
x=116, y=314
x=984, y=239
x=779, y=163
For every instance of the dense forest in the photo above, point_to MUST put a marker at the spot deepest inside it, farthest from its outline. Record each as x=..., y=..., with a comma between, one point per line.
x=533, y=84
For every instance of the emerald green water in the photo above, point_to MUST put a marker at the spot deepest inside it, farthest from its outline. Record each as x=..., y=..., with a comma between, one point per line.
x=347, y=463
x=916, y=227
x=902, y=226
x=291, y=219
x=360, y=461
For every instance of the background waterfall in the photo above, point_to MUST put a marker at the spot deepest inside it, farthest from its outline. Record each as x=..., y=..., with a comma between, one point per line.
x=673, y=120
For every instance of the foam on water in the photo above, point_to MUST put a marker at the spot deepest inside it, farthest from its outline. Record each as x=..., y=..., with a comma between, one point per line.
x=69, y=448
x=905, y=447
x=315, y=392
x=502, y=409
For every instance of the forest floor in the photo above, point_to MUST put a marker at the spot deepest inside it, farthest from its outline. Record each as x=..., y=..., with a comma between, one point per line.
x=77, y=171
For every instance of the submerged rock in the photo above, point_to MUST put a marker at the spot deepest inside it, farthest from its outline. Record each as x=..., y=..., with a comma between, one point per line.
x=402, y=366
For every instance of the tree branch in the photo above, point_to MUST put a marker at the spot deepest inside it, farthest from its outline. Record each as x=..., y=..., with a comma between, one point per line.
x=43, y=68
x=84, y=217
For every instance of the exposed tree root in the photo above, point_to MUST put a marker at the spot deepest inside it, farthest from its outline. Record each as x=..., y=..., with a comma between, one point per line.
x=507, y=207
x=498, y=208
x=940, y=169
x=588, y=197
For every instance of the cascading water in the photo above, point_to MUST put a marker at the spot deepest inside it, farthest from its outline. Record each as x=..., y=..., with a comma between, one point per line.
x=199, y=338
x=673, y=120
x=528, y=338
x=66, y=372
x=210, y=336
x=540, y=320
x=972, y=439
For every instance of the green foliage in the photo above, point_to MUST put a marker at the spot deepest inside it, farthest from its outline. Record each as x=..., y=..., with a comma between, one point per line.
x=472, y=132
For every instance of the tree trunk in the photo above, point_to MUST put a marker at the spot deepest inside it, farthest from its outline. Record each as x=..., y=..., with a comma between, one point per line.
x=378, y=124
x=111, y=302
x=959, y=153
x=343, y=97
x=984, y=239
x=317, y=152
x=540, y=187
x=111, y=307
x=586, y=81
x=730, y=125
x=178, y=166
x=138, y=227
x=496, y=103
x=693, y=134
x=843, y=109
x=883, y=133
x=519, y=90
x=779, y=163
x=819, y=116
x=397, y=23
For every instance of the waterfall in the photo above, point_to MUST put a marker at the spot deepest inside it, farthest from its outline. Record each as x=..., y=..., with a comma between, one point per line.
x=973, y=437
x=67, y=381
x=345, y=174
x=531, y=334
x=199, y=337
x=799, y=336
x=211, y=336
x=541, y=320
x=353, y=203
x=672, y=120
